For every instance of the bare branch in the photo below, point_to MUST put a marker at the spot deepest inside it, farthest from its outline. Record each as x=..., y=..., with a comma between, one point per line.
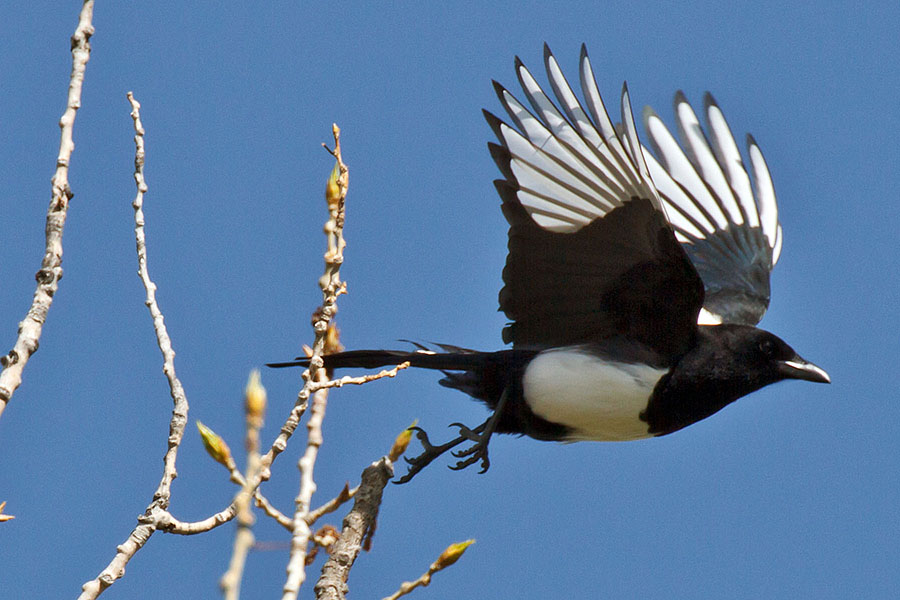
x=358, y=526
x=313, y=515
x=230, y=582
x=260, y=500
x=155, y=517
x=332, y=287
x=116, y=568
x=449, y=556
x=347, y=380
x=332, y=505
x=5, y=517
x=51, y=272
x=165, y=522
x=254, y=413
x=263, y=503
x=300, y=528
x=180, y=410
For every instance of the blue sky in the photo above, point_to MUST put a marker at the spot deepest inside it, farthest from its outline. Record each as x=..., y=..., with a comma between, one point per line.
x=791, y=492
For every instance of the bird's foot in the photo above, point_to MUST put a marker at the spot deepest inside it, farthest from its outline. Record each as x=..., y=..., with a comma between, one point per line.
x=478, y=451
x=475, y=452
x=431, y=451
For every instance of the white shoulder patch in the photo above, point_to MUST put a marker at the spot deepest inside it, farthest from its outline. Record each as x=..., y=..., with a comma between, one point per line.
x=707, y=318
x=598, y=399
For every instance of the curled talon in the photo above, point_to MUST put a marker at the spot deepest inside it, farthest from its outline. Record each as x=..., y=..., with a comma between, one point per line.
x=485, y=462
x=429, y=453
x=474, y=453
x=462, y=464
x=422, y=436
x=470, y=434
x=480, y=435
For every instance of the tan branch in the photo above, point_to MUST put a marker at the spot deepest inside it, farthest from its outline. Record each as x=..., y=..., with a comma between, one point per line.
x=230, y=582
x=155, y=517
x=301, y=531
x=263, y=503
x=313, y=515
x=449, y=556
x=332, y=287
x=254, y=413
x=180, y=409
x=51, y=272
x=336, y=383
x=116, y=568
x=166, y=522
x=358, y=526
x=332, y=505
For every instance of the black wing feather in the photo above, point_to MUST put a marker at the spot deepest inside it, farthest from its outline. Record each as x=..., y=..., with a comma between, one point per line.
x=591, y=254
x=728, y=226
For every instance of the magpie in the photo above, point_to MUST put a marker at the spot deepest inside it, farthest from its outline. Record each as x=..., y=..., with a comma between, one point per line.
x=634, y=279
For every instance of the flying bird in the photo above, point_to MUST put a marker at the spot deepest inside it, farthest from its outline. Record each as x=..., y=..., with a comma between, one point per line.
x=634, y=280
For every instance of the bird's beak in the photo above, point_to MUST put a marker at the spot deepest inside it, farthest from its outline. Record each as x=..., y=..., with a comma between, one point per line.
x=797, y=368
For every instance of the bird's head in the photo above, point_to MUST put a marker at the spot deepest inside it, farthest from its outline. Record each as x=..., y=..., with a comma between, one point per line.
x=763, y=357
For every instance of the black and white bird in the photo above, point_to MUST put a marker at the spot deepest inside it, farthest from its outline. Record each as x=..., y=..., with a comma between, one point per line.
x=633, y=284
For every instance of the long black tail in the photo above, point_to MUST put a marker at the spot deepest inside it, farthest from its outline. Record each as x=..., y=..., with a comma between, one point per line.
x=459, y=359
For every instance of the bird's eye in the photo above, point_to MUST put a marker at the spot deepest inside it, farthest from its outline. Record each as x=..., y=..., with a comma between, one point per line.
x=767, y=347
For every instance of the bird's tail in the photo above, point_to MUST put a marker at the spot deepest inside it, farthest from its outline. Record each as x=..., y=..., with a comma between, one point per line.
x=454, y=359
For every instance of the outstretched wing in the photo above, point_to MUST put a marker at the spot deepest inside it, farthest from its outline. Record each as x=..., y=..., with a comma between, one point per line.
x=728, y=226
x=591, y=255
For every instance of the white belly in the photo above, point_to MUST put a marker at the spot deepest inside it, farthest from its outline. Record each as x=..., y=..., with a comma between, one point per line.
x=597, y=399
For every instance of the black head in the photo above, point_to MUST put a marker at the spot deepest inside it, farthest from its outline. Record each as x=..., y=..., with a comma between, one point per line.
x=728, y=362
x=757, y=357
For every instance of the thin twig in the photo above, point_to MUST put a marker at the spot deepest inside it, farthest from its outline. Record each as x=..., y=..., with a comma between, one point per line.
x=230, y=582
x=447, y=558
x=176, y=390
x=332, y=287
x=301, y=531
x=254, y=413
x=358, y=526
x=167, y=523
x=265, y=466
x=267, y=507
x=332, y=505
x=347, y=380
x=155, y=515
x=313, y=515
x=260, y=500
x=30, y=328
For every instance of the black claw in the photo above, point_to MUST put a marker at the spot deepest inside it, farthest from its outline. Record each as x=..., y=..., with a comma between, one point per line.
x=463, y=464
x=471, y=455
x=485, y=462
x=423, y=439
x=480, y=436
x=473, y=449
x=468, y=433
x=429, y=453
x=417, y=463
x=409, y=474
